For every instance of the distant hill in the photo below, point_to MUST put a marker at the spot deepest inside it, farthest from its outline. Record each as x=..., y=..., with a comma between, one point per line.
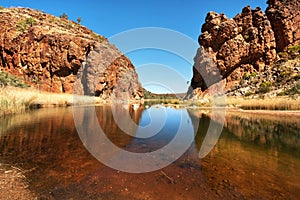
x=150, y=95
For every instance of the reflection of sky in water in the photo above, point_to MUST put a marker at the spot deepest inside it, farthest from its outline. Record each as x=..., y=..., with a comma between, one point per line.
x=159, y=125
x=151, y=122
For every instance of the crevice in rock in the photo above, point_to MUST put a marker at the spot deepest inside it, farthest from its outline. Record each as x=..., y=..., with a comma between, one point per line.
x=8, y=52
x=84, y=79
x=2, y=58
x=70, y=58
x=63, y=72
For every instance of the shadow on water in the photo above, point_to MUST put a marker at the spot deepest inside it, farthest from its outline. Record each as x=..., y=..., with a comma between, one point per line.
x=255, y=158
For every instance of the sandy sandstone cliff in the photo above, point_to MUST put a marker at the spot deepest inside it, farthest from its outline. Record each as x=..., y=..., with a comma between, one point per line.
x=57, y=55
x=248, y=43
x=284, y=16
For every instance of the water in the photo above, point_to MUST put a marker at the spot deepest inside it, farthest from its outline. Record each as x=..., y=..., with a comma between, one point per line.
x=256, y=156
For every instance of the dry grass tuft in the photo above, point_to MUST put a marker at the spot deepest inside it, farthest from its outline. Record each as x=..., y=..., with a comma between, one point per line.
x=277, y=103
x=17, y=100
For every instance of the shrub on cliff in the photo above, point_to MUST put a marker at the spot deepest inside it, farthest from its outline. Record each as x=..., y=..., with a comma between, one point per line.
x=265, y=87
x=79, y=20
x=64, y=16
x=23, y=25
x=8, y=80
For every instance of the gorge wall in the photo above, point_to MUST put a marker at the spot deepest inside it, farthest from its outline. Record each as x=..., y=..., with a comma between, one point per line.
x=58, y=55
x=284, y=16
x=247, y=43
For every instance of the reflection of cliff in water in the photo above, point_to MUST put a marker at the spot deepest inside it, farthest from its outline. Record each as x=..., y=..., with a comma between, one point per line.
x=276, y=132
x=45, y=144
x=204, y=122
x=43, y=129
x=106, y=121
x=256, y=155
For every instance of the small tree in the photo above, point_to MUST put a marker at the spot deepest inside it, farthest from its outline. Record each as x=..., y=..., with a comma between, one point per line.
x=79, y=20
x=64, y=16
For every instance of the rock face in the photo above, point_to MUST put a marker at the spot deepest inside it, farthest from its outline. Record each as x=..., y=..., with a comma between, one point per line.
x=285, y=19
x=244, y=43
x=248, y=43
x=280, y=79
x=108, y=73
x=54, y=54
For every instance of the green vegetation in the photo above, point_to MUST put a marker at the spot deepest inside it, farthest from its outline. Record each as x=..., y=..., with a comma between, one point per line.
x=79, y=20
x=246, y=37
x=64, y=16
x=69, y=25
x=248, y=75
x=150, y=95
x=247, y=94
x=52, y=20
x=9, y=103
x=23, y=25
x=30, y=21
x=1, y=7
x=283, y=54
x=265, y=87
x=62, y=23
x=290, y=53
x=147, y=94
x=97, y=37
x=247, y=103
x=294, y=49
x=8, y=80
x=291, y=91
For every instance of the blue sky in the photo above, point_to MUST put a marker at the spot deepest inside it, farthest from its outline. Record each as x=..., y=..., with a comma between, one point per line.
x=112, y=17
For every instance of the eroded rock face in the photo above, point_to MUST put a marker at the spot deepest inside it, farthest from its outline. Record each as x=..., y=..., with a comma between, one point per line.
x=247, y=43
x=244, y=43
x=49, y=53
x=106, y=72
x=285, y=19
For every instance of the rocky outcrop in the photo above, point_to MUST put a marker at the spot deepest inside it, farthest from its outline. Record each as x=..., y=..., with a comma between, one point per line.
x=280, y=79
x=244, y=43
x=284, y=16
x=109, y=74
x=248, y=43
x=54, y=54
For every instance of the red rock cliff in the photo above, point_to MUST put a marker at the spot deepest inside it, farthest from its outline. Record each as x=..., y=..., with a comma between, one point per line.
x=247, y=43
x=50, y=53
x=284, y=16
